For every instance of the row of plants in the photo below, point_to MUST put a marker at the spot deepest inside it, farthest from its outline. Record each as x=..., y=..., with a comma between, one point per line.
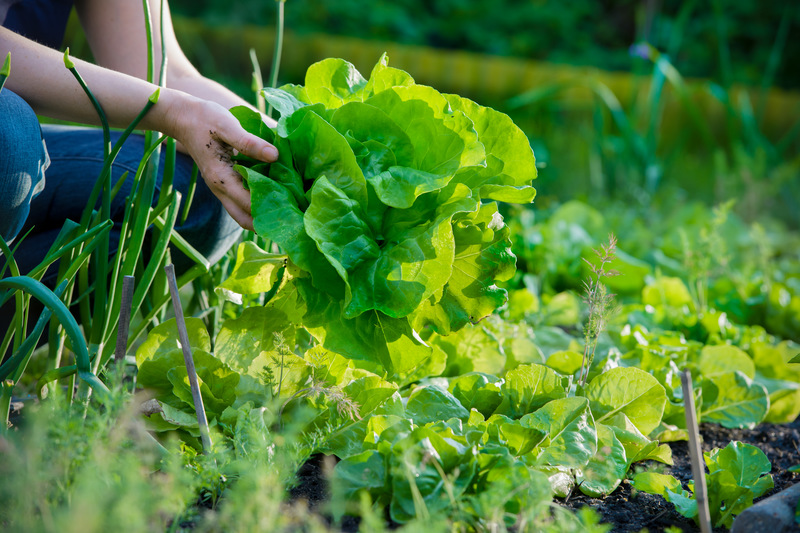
x=439, y=413
x=378, y=318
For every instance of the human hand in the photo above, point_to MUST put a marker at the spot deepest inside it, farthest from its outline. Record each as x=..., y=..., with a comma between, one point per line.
x=210, y=134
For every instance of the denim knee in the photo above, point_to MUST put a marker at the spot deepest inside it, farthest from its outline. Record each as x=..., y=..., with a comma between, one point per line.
x=23, y=160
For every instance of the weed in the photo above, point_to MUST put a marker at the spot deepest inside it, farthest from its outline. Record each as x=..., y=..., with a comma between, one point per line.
x=599, y=301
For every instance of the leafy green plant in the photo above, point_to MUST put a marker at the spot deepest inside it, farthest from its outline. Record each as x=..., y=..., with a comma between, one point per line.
x=737, y=474
x=377, y=202
x=599, y=301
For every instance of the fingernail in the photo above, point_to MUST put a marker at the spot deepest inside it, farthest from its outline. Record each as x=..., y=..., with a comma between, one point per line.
x=270, y=153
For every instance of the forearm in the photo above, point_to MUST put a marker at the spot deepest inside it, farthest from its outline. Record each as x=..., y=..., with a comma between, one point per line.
x=39, y=76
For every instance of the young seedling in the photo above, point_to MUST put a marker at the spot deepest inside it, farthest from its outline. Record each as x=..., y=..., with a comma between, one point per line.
x=599, y=301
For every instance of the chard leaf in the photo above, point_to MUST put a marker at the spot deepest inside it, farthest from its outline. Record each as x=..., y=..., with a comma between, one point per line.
x=571, y=438
x=630, y=391
x=733, y=400
x=528, y=388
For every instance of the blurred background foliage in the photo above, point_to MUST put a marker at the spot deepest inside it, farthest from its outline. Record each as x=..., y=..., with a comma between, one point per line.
x=631, y=100
x=578, y=32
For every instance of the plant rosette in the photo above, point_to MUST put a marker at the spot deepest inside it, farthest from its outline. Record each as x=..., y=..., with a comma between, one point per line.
x=383, y=200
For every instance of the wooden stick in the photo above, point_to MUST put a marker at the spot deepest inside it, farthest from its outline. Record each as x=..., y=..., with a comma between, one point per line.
x=124, y=318
x=698, y=471
x=183, y=335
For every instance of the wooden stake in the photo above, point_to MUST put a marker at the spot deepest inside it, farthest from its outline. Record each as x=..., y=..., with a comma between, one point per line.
x=696, y=454
x=124, y=318
x=183, y=335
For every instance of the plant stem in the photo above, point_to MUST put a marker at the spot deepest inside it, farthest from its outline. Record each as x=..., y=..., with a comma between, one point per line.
x=124, y=318
x=276, y=56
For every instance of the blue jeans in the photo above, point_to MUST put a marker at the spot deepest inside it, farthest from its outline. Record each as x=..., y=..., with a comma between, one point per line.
x=39, y=198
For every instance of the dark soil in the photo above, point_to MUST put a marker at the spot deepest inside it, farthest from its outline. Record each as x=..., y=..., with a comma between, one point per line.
x=633, y=512
x=627, y=510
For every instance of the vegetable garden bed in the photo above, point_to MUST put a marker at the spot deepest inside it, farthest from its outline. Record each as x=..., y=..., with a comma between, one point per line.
x=466, y=363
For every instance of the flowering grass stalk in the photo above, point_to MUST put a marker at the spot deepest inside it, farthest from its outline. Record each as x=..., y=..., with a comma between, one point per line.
x=599, y=301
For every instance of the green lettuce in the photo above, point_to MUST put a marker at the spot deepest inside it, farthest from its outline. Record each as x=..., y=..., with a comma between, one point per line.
x=383, y=200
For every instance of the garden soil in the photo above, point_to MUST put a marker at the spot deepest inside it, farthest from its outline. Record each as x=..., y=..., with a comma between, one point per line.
x=627, y=510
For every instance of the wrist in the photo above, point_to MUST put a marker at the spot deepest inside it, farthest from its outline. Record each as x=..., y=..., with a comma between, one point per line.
x=169, y=112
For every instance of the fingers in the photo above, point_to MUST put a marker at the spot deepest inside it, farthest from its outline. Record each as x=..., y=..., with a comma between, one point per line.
x=254, y=146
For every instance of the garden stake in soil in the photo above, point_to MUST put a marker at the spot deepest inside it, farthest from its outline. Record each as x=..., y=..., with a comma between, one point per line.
x=202, y=421
x=124, y=318
x=700, y=490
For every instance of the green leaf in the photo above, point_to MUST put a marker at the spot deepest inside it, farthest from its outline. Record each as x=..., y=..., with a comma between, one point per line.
x=217, y=384
x=476, y=390
x=571, y=436
x=528, y=388
x=163, y=339
x=733, y=400
x=255, y=270
x=247, y=343
x=482, y=257
x=319, y=150
x=737, y=474
x=502, y=141
x=430, y=404
x=5, y=70
x=416, y=467
x=472, y=349
x=365, y=471
x=284, y=102
x=384, y=77
x=565, y=362
x=605, y=470
x=655, y=483
x=368, y=123
x=278, y=218
x=443, y=142
x=629, y=391
x=371, y=336
x=716, y=360
x=333, y=82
